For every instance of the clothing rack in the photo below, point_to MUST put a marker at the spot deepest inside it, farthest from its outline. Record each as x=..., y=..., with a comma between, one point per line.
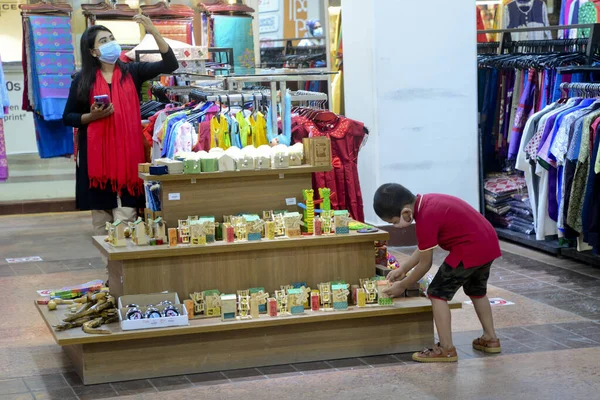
x=506, y=42
x=587, y=90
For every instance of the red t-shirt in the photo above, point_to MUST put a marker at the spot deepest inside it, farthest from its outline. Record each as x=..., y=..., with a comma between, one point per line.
x=455, y=226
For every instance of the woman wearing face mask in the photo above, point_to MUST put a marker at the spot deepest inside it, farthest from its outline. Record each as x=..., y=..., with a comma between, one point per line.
x=110, y=140
x=314, y=34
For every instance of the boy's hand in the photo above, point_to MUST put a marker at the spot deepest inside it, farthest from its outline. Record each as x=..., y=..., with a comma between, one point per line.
x=396, y=275
x=397, y=289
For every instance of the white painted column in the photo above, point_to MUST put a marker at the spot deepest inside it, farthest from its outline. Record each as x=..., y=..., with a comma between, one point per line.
x=411, y=77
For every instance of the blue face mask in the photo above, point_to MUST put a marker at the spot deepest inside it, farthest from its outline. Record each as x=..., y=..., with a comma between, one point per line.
x=109, y=52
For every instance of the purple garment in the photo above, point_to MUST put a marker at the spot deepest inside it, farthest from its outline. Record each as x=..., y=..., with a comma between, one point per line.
x=523, y=111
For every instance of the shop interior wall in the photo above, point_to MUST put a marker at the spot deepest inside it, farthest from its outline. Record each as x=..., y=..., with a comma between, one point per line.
x=412, y=81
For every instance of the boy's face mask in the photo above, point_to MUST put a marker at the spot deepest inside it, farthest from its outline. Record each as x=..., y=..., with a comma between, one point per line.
x=405, y=219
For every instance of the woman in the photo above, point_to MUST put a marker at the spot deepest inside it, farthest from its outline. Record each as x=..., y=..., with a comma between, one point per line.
x=314, y=34
x=110, y=140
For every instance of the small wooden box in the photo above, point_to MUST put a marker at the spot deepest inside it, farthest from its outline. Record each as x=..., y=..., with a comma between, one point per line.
x=317, y=151
x=144, y=168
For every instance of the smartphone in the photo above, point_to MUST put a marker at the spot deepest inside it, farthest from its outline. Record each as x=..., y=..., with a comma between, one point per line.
x=102, y=100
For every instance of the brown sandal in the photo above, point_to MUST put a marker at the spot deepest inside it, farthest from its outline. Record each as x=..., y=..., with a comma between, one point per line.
x=436, y=355
x=487, y=346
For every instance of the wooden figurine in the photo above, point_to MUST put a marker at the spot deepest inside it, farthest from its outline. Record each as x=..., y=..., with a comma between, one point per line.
x=382, y=298
x=139, y=232
x=326, y=300
x=325, y=195
x=293, y=222
x=341, y=221
x=243, y=304
x=116, y=233
x=212, y=303
x=172, y=237
x=309, y=211
x=184, y=231
x=228, y=307
x=371, y=289
x=281, y=298
x=159, y=231
x=340, y=296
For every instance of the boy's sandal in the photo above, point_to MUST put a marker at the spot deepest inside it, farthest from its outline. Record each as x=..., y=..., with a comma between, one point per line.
x=487, y=346
x=436, y=355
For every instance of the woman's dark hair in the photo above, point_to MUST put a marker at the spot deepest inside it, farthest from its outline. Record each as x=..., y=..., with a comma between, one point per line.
x=90, y=64
x=390, y=199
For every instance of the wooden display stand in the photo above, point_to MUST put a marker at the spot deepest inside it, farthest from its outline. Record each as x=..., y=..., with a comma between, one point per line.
x=211, y=345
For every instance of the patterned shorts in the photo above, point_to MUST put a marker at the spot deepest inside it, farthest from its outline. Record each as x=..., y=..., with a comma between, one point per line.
x=448, y=280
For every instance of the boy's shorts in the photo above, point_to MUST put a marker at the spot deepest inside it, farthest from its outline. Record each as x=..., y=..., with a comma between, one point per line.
x=448, y=280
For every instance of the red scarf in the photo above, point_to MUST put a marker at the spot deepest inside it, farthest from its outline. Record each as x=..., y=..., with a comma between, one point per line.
x=115, y=144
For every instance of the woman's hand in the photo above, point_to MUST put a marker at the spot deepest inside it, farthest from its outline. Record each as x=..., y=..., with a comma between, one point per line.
x=146, y=23
x=99, y=111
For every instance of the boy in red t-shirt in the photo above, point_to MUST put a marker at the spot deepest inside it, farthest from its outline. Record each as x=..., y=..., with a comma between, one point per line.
x=455, y=226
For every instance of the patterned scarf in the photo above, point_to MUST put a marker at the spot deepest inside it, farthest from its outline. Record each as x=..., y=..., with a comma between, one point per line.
x=115, y=144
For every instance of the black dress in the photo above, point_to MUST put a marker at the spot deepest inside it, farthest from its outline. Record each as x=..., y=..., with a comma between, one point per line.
x=105, y=199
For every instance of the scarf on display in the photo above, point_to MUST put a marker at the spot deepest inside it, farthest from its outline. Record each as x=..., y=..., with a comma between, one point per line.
x=115, y=146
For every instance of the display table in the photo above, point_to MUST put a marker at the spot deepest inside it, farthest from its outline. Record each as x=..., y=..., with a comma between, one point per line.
x=229, y=267
x=230, y=193
x=211, y=345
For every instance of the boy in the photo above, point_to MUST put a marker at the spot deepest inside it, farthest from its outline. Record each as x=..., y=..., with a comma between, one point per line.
x=452, y=224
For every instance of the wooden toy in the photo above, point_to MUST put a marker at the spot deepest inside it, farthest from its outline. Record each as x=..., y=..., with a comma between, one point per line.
x=279, y=224
x=309, y=211
x=370, y=287
x=172, y=237
x=281, y=298
x=159, y=231
x=296, y=153
x=208, y=162
x=255, y=229
x=184, y=231
x=247, y=161
x=317, y=151
x=241, y=227
x=340, y=296
x=326, y=221
x=212, y=303
x=229, y=233
x=325, y=195
x=341, y=219
x=270, y=230
x=189, y=306
x=116, y=234
x=280, y=157
x=272, y=307
x=325, y=290
x=315, y=300
x=199, y=305
x=317, y=229
x=262, y=296
x=226, y=162
x=296, y=299
x=353, y=289
x=139, y=232
x=254, y=308
x=293, y=222
x=197, y=235
x=361, y=297
x=208, y=227
x=228, y=307
x=144, y=168
x=263, y=157
x=382, y=298
x=243, y=304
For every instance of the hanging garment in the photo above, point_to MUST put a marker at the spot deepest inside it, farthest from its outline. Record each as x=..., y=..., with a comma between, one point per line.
x=258, y=124
x=527, y=14
x=481, y=37
x=235, y=32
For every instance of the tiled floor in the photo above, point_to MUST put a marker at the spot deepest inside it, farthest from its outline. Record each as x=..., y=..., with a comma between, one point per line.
x=550, y=336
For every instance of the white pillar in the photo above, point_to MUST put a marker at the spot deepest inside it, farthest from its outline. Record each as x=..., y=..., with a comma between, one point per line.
x=411, y=77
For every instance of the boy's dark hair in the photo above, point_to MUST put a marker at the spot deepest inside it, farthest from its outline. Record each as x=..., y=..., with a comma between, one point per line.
x=390, y=199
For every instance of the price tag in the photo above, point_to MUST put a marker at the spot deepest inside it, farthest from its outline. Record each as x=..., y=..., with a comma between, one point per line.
x=193, y=180
x=174, y=196
x=290, y=201
x=281, y=176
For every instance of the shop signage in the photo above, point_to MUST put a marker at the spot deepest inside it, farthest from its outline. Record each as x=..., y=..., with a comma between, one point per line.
x=268, y=23
x=295, y=16
x=19, y=130
x=495, y=301
x=268, y=6
x=11, y=33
